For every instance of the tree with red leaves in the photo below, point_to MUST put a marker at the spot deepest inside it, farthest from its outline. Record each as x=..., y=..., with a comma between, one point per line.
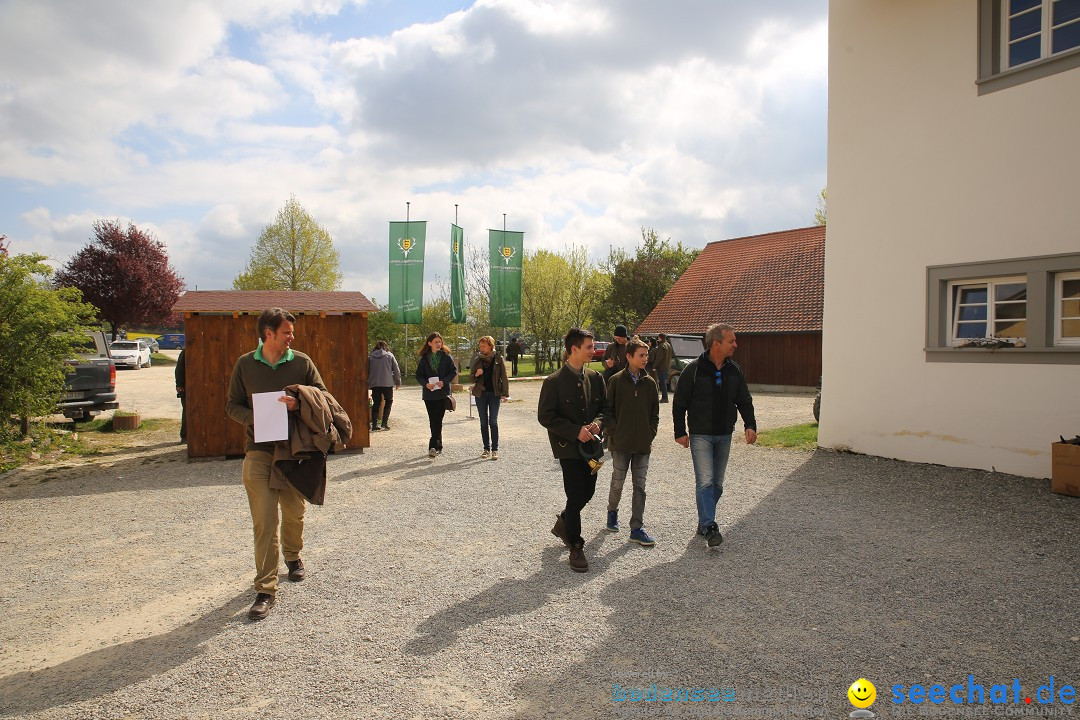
x=125, y=274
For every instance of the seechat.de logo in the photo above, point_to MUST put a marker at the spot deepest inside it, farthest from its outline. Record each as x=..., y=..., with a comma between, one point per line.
x=862, y=694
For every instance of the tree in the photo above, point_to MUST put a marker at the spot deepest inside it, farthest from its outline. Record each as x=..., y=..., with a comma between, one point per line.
x=295, y=253
x=125, y=273
x=35, y=337
x=558, y=292
x=822, y=206
x=637, y=283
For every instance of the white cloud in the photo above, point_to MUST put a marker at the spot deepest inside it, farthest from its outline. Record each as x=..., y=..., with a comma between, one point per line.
x=581, y=120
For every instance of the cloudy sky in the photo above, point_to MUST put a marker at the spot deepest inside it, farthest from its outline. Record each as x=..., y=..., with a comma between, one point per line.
x=582, y=120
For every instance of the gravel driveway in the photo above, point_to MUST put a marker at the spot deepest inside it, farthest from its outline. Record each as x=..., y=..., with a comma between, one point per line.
x=435, y=589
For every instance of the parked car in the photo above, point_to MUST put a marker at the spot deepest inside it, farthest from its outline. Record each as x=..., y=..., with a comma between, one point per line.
x=130, y=353
x=91, y=385
x=171, y=341
x=152, y=343
x=684, y=348
x=598, y=350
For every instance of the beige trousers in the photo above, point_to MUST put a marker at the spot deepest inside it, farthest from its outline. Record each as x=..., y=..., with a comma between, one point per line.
x=264, y=502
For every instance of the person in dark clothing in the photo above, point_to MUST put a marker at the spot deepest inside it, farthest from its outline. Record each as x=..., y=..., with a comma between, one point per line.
x=490, y=388
x=711, y=389
x=513, y=350
x=181, y=392
x=615, y=354
x=572, y=406
x=384, y=376
x=435, y=372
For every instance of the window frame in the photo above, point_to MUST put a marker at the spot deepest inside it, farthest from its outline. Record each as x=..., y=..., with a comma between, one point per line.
x=994, y=72
x=1042, y=273
x=991, y=319
x=1059, y=310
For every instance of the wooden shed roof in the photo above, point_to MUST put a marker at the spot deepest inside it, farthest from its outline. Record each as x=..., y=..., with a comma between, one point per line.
x=759, y=284
x=248, y=301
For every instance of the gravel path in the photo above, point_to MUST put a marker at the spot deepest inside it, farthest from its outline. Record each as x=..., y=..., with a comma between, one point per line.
x=435, y=589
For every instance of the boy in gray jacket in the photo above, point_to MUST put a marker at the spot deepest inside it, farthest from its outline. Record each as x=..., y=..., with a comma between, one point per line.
x=384, y=376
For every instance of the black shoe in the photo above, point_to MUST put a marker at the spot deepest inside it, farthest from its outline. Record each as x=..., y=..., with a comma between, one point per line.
x=296, y=570
x=374, y=428
x=261, y=607
x=713, y=536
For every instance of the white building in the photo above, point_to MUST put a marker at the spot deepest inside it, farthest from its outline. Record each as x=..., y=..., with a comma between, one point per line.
x=954, y=220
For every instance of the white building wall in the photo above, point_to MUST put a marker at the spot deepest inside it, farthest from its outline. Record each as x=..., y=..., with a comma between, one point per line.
x=923, y=171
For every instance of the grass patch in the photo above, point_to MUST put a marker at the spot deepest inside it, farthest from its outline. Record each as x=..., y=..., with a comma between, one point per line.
x=161, y=359
x=50, y=442
x=796, y=437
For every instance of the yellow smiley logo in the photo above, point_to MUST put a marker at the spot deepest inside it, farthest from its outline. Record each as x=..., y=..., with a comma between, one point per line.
x=862, y=693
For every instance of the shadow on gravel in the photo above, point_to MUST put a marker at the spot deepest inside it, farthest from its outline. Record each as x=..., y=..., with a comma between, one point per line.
x=101, y=672
x=151, y=472
x=513, y=597
x=852, y=567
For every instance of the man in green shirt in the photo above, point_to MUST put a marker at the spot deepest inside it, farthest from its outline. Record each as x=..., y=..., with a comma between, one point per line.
x=271, y=367
x=632, y=421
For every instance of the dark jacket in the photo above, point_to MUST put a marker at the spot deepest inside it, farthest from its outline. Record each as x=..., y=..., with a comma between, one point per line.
x=662, y=357
x=251, y=376
x=634, y=413
x=567, y=403
x=319, y=424
x=500, y=381
x=512, y=350
x=446, y=371
x=712, y=409
x=618, y=353
x=180, y=373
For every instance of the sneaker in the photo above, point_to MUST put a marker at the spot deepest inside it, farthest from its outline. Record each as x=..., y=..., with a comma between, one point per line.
x=385, y=426
x=713, y=536
x=612, y=521
x=296, y=570
x=261, y=607
x=374, y=428
x=641, y=537
x=578, y=563
x=486, y=454
x=559, y=530
x=431, y=452
x=494, y=454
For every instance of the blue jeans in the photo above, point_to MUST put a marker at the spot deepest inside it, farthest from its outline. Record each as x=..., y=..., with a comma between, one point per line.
x=487, y=404
x=710, y=455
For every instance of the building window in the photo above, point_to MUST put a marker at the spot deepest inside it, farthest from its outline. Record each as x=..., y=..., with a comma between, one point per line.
x=1024, y=40
x=1019, y=310
x=1035, y=29
x=989, y=312
x=1067, y=309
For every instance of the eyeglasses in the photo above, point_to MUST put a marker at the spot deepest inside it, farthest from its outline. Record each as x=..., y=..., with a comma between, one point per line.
x=719, y=378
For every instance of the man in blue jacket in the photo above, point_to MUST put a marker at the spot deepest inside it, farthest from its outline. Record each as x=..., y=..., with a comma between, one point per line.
x=711, y=389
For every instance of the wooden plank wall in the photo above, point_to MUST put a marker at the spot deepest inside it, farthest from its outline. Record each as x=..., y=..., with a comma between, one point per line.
x=780, y=359
x=336, y=343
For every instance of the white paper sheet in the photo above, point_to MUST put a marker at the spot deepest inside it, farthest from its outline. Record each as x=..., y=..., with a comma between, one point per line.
x=271, y=416
x=433, y=380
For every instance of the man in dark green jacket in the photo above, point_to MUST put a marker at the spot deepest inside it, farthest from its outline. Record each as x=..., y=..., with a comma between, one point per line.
x=572, y=404
x=632, y=420
x=269, y=368
x=711, y=389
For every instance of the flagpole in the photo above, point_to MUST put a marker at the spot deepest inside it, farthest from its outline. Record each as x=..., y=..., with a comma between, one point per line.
x=504, y=245
x=405, y=296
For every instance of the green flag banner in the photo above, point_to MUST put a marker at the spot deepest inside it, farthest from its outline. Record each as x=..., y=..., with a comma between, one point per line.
x=407, y=271
x=457, y=275
x=505, y=260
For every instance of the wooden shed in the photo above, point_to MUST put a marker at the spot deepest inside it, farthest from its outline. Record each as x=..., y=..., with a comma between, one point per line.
x=770, y=288
x=222, y=325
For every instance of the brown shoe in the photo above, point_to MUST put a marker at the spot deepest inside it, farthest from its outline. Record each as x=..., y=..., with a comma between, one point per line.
x=559, y=530
x=261, y=607
x=578, y=563
x=296, y=570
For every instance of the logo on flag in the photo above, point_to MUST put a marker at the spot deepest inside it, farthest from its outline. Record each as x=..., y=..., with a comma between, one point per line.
x=507, y=253
x=406, y=244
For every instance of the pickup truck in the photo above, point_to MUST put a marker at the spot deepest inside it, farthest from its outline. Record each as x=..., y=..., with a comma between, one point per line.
x=91, y=386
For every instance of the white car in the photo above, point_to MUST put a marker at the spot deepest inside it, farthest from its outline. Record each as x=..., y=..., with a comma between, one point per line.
x=130, y=353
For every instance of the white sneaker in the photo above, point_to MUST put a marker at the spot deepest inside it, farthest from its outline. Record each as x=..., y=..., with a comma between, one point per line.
x=431, y=452
x=494, y=454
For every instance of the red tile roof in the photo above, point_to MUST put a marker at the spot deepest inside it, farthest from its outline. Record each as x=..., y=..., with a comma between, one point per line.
x=759, y=284
x=259, y=300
